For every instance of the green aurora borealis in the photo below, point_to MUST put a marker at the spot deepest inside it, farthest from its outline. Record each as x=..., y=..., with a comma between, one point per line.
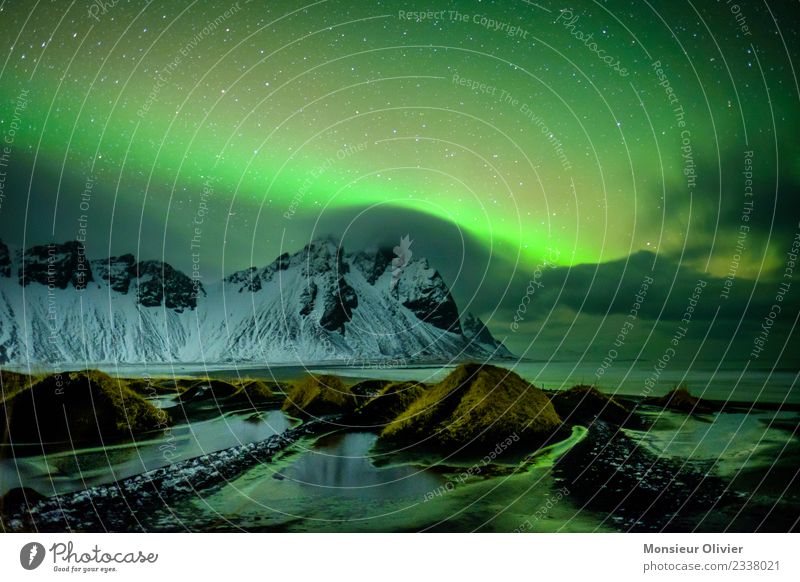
x=519, y=134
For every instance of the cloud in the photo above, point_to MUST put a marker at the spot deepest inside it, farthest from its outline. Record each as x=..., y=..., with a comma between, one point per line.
x=753, y=211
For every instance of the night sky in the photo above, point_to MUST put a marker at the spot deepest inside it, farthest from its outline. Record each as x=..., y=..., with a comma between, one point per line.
x=582, y=146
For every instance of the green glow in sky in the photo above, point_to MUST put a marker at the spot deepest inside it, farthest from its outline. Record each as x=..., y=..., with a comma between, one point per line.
x=505, y=118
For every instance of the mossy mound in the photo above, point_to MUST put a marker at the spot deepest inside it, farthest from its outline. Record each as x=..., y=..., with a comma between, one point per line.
x=475, y=405
x=253, y=392
x=583, y=404
x=682, y=400
x=12, y=383
x=319, y=395
x=367, y=389
x=391, y=401
x=208, y=390
x=80, y=406
x=153, y=387
x=177, y=384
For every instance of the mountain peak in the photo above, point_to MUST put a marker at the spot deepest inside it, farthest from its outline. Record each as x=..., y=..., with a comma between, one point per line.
x=317, y=304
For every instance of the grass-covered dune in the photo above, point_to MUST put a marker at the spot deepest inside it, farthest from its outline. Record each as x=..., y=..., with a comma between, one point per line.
x=241, y=391
x=681, y=400
x=81, y=406
x=209, y=390
x=255, y=392
x=391, y=401
x=475, y=405
x=12, y=383
x=583, y=404
x=367, y=389
x=317, y=395
x=87, y=406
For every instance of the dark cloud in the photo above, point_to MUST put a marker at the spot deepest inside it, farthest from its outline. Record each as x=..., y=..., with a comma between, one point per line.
x=612, y=288
x=719, y=218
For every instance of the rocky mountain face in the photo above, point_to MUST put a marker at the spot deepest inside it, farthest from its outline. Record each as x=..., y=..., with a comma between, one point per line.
x=157, y=283
x=318, y=304
x=474, y=329
x=5, y=260
x=56, y=265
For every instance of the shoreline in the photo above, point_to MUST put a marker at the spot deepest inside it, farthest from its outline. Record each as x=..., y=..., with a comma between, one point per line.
x=593, y=443
x=768, y=389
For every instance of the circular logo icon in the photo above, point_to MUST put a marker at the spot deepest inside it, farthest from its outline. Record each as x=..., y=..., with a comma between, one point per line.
x=31, y=555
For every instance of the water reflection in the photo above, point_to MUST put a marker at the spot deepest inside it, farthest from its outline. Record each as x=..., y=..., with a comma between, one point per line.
x=335, y=486
x=341, y=465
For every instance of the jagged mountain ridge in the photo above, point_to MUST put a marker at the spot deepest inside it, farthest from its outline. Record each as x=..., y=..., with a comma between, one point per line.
x=318, y=304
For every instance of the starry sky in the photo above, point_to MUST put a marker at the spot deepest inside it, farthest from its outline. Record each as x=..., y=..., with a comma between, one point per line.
x=583, y=144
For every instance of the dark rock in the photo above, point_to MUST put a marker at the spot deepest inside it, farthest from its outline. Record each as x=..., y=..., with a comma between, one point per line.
x=308, y=298
x=340, y=301
x=159, y=283
x=682, y=400
x=5, y=260
x=252, y=279
x=476, y=331
x=372, y=264
x=280, y=264
x=118, y=271
x=319, y=257
x=57, y=265
x=423, y=291
x=245, y=280
x=583, y=404
x=20, y=497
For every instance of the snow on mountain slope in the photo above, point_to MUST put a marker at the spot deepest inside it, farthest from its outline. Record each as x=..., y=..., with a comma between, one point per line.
x=319, y=304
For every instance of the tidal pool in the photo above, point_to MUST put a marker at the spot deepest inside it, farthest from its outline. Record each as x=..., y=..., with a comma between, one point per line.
x=334, y=484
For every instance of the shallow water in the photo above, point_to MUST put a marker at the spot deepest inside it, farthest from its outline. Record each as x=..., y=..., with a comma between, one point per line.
x=731, y=441
x=337, y=482
x=334, y=485
x=70, y=470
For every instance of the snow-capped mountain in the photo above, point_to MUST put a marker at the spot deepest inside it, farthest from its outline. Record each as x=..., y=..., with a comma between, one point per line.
x=319, y=304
